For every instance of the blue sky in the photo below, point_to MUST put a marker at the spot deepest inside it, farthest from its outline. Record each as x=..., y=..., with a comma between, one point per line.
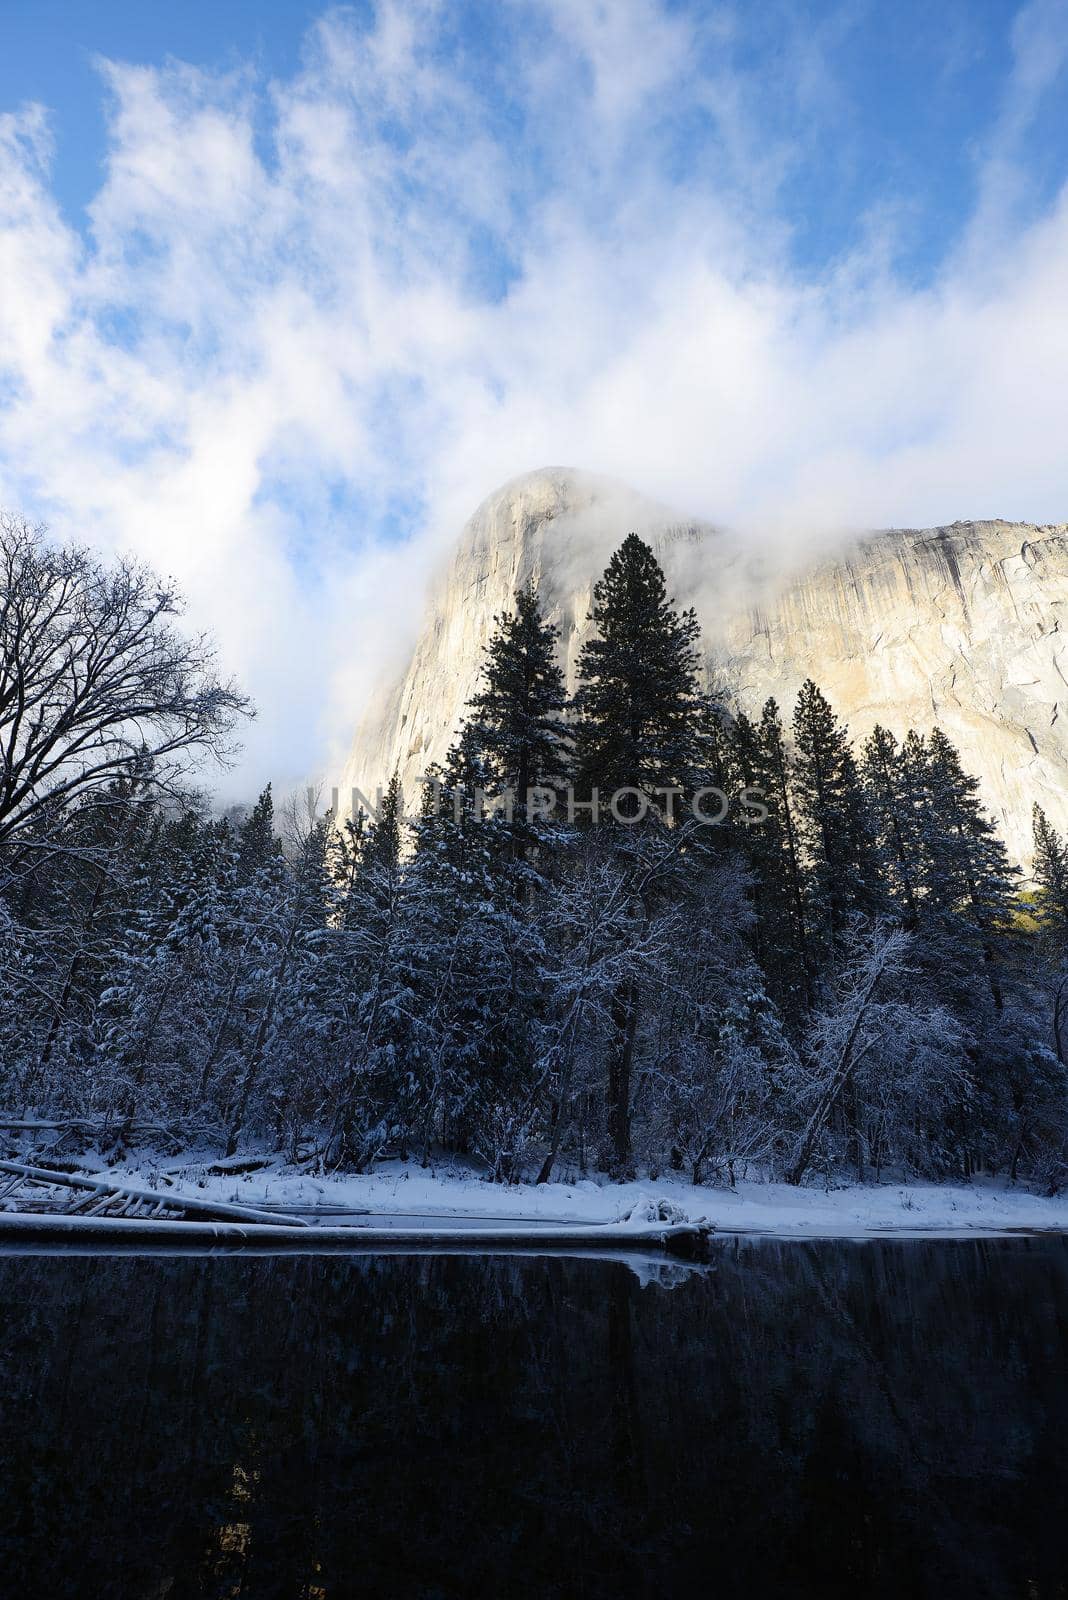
x=894, y=115
x=51, y=48
x=286, y=290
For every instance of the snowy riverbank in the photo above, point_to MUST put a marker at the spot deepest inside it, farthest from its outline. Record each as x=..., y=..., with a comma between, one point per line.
x=408, y=1197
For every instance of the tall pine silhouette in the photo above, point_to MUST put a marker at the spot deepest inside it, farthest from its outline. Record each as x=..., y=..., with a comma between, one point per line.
x=639, y=726
x=970, y=885
x=516, y=721
x=833, y=823
x=638, y=704
x=772, y=852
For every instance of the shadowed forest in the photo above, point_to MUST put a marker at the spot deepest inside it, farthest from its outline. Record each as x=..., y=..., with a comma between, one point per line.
x=847, y=977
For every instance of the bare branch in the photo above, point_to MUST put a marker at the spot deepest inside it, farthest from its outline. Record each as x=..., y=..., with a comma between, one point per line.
x=95, y=682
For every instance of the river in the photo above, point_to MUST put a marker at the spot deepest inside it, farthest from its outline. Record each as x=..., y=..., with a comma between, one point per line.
x=797, y=1419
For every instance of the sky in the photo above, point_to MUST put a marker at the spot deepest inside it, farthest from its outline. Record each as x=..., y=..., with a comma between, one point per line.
x=286, y=291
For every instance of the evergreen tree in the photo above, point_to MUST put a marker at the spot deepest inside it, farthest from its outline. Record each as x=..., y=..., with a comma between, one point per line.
x=285, y=906
x=637, y=704
x=969, y=885
x=517, y=715
x=1050, y=872
x=639, y=725
x=257, y=841
x=842, y=867
x=462, y=940
x=375, y=1074
x=781, y=936
x=383, y=844
x=346, y=849
x=890, y=778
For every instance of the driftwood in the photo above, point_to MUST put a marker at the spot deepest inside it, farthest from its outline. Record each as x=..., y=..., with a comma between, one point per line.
x=689, y=1242
x=99, y=1210
x=99, y=1197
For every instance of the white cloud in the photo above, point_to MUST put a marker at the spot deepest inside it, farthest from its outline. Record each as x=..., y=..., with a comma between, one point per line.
x=390, y=283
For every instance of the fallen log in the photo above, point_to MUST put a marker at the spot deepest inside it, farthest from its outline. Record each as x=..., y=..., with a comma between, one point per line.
x=686, y=1241
x=131, y=1200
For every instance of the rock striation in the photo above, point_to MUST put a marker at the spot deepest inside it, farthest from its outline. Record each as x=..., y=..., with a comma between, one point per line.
x=963, y=625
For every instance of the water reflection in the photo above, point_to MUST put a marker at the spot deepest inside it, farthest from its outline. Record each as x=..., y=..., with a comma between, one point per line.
x=834, y=1419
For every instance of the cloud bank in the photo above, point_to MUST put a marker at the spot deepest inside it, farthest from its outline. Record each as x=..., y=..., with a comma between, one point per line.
x=309, y=324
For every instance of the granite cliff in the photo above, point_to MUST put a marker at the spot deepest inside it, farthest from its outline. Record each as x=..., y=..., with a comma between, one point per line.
x=959, y=625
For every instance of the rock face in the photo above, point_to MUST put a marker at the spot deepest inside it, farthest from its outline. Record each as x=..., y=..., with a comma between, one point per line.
x=961, y=626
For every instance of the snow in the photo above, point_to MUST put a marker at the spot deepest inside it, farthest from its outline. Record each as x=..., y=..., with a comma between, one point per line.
x=630, y=1231
x=411, y=1199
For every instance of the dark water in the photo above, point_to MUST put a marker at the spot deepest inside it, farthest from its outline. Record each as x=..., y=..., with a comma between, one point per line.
x=869, y=1420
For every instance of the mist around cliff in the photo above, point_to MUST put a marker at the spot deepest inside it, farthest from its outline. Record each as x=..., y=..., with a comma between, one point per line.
x=306, y=323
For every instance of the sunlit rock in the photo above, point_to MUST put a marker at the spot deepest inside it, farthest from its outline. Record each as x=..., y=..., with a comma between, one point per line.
x=962, y=626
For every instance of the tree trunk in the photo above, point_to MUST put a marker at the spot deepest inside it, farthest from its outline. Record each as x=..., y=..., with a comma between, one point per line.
x=625, y=1017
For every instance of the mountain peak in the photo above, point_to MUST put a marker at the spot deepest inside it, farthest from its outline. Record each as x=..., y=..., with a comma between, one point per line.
x=963, y=626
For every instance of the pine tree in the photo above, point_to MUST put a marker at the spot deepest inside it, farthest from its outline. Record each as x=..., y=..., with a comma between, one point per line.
x=377, y=1068
x=463, y=946
x=516, y=744
x=893, y=796
x=1050, y=873
x=286, y=905
x=257, y=842
x=346, y=849
x=637, y=704
x=382, y=847
x=969, y=886
x=842, y=867
x=762, y=763
x=516, y=718
x=639, y=726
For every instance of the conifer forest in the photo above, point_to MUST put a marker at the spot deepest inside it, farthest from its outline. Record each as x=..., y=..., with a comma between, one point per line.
x=769, y=950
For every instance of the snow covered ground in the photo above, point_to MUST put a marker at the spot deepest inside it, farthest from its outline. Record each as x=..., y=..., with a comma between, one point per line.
x=407, y=1196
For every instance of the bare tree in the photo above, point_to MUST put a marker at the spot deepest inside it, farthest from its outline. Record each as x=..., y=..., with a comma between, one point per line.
x=871, y=1046
x=95, y=681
